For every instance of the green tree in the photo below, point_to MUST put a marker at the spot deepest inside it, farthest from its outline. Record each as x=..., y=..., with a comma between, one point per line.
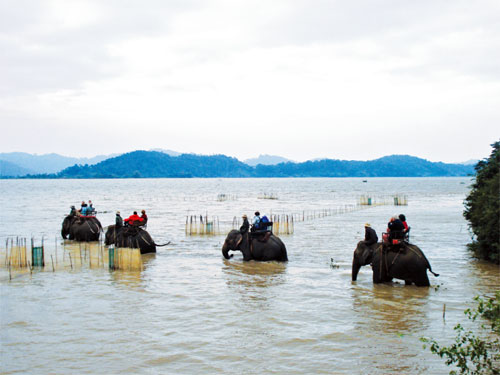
x=471, y=354
x=482, y=208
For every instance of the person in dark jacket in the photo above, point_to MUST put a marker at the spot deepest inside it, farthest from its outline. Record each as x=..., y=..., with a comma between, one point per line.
x=370, y=235
x=395, y=228
x=245, y=226
x=118, y=220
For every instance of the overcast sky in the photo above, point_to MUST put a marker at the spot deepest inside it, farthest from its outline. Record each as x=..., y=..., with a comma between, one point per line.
x=302, y=79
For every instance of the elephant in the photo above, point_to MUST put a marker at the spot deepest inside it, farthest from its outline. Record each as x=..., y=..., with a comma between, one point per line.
x=405, y=262
x=81, y=228
x=132, y=236
x=272, y=249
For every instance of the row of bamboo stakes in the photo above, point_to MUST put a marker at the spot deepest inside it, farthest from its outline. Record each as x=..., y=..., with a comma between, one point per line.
x=396, y=200
x=18, y=257
x=201, y=225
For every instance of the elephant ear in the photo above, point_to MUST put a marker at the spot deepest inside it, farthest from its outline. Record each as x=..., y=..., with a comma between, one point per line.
x=366, y=254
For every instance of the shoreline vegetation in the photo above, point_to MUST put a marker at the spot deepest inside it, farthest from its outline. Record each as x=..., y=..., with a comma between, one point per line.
x=153, y=164
x=482, y=208
x=478, y=352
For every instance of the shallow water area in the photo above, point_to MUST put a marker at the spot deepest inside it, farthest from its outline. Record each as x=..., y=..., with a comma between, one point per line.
x=189, y=310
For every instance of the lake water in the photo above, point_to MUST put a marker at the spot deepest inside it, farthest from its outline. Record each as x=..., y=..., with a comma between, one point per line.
x=190, y=311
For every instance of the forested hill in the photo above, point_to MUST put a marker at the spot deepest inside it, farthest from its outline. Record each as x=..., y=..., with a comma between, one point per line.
x=388, y=166
x=151, y=164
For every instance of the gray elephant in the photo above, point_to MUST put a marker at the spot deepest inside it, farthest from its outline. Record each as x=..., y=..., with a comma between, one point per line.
x=262, y=249
x=81, y=228
x=405, y=262
x=132, y=236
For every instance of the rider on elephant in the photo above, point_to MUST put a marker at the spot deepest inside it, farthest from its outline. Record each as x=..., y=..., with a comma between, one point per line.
x=256, y=221
x=144, y=217
x=118, y=220
x=245, y=226
x=133, y=219
x=395, y=230
x=370, y=235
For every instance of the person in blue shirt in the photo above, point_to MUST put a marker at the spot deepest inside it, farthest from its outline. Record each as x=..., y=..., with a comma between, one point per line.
x=256, y=221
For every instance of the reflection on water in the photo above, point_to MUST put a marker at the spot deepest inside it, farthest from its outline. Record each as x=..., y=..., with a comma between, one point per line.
x=191, y=311
x=391, y=308
x=254, y=280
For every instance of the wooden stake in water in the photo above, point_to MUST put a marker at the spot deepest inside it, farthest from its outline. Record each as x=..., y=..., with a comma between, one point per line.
x=52, y=258
x=70, y=261
x=444, y=311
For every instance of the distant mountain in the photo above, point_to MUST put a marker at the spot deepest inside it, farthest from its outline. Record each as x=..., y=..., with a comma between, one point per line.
x=266, y=160
x=470, y=162
x=8, y=169
x=153, y=164
x=387, y=166
x=48, y=163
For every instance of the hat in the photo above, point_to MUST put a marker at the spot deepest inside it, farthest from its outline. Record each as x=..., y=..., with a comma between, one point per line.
x=244, y=216
x=367, y=225
x=118, y=212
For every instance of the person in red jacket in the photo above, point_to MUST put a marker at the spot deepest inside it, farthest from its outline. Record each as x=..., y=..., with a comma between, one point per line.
x=144, y=217
x=133, y=219
x=403, y=220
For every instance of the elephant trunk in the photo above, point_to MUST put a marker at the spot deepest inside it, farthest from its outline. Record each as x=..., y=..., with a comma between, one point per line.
x=355, y=268
x=225, y=251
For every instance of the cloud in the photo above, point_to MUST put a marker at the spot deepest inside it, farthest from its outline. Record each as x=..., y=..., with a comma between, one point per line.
x=318, y=77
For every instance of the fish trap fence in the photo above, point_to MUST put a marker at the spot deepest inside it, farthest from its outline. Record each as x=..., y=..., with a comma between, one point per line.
x=267, y=195
x=283, y=224
x=18, y=254
x=125, y=258
x=19, y=258
x=307, y=215
x=199, y=225
x=226, y=197
x=396, y=200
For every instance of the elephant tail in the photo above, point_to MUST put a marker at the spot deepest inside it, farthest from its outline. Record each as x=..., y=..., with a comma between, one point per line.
x=165, y=244
x=430, y=270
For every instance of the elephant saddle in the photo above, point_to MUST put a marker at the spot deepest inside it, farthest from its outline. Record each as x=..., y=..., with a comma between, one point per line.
x=131, y=231
x=264, y=238
x=399, y=247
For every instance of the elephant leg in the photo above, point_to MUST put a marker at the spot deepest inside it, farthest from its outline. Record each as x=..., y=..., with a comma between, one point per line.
x=422, y=280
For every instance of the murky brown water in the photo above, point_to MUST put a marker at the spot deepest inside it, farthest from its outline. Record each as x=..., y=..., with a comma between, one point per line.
x=191, y=311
